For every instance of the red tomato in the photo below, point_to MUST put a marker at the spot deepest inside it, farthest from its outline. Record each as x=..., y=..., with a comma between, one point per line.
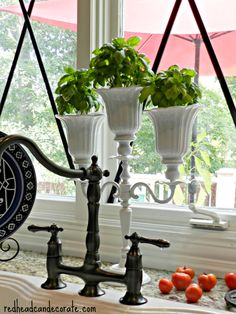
x=193, y=293
x=207, y=281
x=186, y=270
x=230, y=280
x=181, y=280
x=165, y=285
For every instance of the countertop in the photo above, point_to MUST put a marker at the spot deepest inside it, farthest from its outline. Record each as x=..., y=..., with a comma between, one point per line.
x=31, y=263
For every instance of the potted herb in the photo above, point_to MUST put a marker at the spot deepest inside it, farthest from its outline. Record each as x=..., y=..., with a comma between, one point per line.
x=119, y=71
x=174, y=96
x=119, y=64
x=78, y=105
x=172, y=87
x=76, y=93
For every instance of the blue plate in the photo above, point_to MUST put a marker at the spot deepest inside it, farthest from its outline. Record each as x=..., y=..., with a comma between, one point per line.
x=18, y=188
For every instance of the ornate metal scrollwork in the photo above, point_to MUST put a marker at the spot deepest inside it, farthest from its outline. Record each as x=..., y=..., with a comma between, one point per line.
x=172, y=187
x=6, y=247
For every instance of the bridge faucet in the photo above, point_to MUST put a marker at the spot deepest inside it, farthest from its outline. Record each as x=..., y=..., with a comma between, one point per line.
x=92, y=273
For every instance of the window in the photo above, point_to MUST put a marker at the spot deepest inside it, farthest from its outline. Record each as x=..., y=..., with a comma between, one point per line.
x=214, y=153
x=56, y=54
x=27, y=109
x=99, y=21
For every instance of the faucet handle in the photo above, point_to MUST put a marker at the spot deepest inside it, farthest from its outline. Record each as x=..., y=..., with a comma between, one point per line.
x=53, y=229
x=136, y=239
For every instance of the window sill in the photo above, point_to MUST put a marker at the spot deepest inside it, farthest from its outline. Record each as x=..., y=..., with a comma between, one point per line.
x=205, y=250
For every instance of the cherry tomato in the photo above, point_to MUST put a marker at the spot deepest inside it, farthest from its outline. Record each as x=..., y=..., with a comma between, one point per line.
x=181, y=280
x=207, y=281
x=186, y=270
x=165, y=285
x=230, y=280
x=193, y=293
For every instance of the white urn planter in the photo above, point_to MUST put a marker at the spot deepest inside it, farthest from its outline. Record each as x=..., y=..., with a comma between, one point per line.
x=173, y=127
x=124, y=114
x=82, y=131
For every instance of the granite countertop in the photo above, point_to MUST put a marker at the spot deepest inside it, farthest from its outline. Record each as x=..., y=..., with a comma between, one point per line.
x=33, y=264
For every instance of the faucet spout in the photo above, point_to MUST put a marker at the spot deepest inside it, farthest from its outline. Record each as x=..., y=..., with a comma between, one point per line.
x=6, y=141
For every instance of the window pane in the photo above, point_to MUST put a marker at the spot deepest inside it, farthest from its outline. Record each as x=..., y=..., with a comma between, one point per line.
x=27, y=110
x=215, y=158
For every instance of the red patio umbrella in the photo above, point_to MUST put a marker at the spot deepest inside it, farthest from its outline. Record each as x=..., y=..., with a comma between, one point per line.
x=59, y=13
x=151, y=16
x=185, y=45
x=148, y=19
x=182, y=49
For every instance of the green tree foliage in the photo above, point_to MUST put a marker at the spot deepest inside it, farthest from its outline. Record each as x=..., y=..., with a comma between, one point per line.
x=27, y=108
x=147, y=160
x=215, y=120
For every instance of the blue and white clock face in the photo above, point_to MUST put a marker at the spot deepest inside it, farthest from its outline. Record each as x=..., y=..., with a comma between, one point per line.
x=18, y=187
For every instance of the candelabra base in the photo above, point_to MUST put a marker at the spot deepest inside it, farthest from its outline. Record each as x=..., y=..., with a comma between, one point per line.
x=117, y=269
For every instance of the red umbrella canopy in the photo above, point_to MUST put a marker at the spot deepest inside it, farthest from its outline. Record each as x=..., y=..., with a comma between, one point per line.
x=181, y=51
x=150, y=18
x=59, y=13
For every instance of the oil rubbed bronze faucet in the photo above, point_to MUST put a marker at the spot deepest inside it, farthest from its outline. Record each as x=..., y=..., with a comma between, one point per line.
x=91, y=271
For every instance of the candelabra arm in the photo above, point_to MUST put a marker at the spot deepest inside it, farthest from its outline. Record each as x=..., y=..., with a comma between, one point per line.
x=172, y=186
x=43, y=159
x=111, y=183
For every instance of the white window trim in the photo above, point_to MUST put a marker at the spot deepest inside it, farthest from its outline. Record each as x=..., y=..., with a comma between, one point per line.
x=98, y=22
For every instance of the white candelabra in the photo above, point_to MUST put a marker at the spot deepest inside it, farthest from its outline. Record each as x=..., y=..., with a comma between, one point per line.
x=124, y=113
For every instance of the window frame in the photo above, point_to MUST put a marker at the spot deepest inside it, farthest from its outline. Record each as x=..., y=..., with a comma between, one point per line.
x=99, y=21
